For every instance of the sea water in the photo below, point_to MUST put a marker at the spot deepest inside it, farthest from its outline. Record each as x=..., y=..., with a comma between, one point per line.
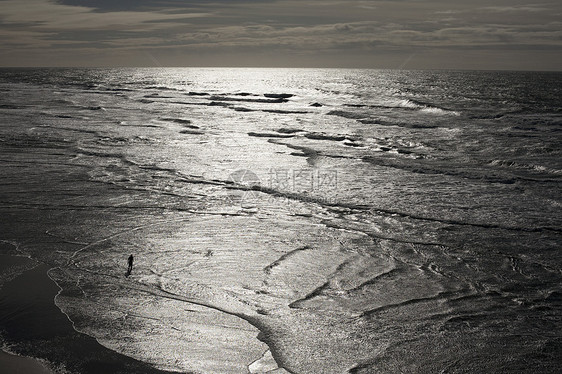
x=292, y=220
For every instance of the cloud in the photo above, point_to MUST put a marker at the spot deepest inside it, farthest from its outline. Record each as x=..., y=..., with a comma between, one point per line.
x=362, y=28
x=152, y=5
x=45, y=15
x=518, y=8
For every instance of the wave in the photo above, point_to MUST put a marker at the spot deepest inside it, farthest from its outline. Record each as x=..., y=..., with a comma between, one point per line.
x=11, y=106
x=406, y=103
x=269, y=135
x=161, y=88
x=157, y=96
x=518, y=165
x=322, y=136
x=438, y=296
x=495, y=176
x=352, y=206
x=181, y=121
x=287, y=130
x=229, y=104
x=95, y=107
x=267, y=270
x=421, y=107
x=409, y=104
x=84, y=131
x=347, y=114
x=278, y=96
x=33, y=141
x=285, y=133
x=440, y=111
x=238, y=99
x=279, y=111
x=191, y=132
x=369, y=119
x=383, y=122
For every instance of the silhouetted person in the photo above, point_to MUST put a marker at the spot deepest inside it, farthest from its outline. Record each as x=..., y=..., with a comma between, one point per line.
x=130, y=261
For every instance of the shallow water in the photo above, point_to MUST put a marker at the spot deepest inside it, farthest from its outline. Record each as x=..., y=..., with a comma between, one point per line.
x=309, y=221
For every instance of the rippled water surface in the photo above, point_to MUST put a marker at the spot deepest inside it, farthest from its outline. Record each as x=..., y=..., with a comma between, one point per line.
x=303, y=221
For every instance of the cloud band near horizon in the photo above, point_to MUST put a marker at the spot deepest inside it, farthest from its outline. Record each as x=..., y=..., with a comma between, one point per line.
x=517, y=35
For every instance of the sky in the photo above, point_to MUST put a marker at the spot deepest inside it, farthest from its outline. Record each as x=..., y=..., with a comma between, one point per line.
x=398, y=34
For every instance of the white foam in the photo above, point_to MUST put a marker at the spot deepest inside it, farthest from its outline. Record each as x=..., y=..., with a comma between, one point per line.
x=433, y=110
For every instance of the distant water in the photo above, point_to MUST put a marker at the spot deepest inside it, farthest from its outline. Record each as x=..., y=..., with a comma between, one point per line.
x=286, y=220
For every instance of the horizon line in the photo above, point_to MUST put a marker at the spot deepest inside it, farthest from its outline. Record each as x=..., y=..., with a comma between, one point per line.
x=281, y=67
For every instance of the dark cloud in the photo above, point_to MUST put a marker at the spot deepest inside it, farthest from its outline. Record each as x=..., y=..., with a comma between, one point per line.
x=151, y=5
x=350, y=33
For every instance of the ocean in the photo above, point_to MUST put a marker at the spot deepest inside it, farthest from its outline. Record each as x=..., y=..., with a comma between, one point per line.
x=281, y=220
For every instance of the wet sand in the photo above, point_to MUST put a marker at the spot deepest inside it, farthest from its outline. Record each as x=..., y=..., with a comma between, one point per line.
x=11, y=364
x=33, y=326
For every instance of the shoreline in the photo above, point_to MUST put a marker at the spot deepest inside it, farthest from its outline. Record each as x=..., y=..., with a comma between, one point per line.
x=35, y=290
x=9, y=361
x=35, y=329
